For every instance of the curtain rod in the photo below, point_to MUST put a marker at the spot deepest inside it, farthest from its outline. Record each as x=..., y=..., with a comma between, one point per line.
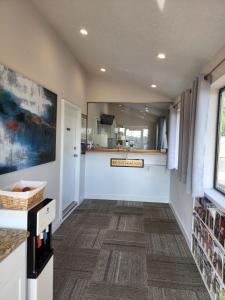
x=208, y=75
x=174, y=105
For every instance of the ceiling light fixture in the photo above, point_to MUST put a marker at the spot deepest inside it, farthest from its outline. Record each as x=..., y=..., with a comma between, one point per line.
x=84, y=31
x=161, y=56
x=161, y=4
x=154, y=86
x=103, y=70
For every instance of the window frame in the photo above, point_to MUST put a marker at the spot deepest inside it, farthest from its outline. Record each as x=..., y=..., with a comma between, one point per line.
x=218, y=126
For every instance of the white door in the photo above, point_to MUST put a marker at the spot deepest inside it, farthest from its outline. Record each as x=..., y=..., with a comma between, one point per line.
x=71, y=156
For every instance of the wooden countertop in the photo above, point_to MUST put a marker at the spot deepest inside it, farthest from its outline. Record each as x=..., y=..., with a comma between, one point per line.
x=125, y=151
x=10, y=239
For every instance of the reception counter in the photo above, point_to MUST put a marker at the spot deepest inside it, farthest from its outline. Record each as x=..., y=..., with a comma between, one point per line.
x=106, y=150
x=150, y=183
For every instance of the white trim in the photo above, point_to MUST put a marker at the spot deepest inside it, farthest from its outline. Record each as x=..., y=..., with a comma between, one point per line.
x=70, y=212
x=180, y=223
x=217, y=198
x=81, y=199
x=78, y=137
x=55, y=225
x=139, y=198
x=61, y=162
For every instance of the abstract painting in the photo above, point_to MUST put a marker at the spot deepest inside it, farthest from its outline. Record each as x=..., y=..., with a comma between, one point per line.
x=27, y=122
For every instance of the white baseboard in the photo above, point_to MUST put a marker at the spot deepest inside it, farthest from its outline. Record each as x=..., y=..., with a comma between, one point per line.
x=180, y=223
x=81, y=199
x=139, y=198
x=55, y=225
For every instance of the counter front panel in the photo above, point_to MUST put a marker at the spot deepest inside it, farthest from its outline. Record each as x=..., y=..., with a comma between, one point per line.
x=150, y=183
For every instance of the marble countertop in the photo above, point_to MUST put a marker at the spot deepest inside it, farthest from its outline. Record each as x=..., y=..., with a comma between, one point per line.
x=10, y=239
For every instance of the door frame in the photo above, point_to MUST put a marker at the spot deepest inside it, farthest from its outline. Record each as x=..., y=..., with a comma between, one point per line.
x=77, y=169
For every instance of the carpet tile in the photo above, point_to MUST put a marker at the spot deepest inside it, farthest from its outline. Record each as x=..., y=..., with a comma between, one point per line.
x=124, y=250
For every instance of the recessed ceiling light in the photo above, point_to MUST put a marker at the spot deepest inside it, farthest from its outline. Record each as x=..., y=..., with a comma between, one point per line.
x=103, y=70
x=154, y=86
x=161, y=56
x=84, y=31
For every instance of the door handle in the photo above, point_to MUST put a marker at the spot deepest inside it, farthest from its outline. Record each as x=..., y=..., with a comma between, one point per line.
x=75, y=155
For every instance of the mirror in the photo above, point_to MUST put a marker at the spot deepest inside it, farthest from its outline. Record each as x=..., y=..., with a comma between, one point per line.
x=128, y=126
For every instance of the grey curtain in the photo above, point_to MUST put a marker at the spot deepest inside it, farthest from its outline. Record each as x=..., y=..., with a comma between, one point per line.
x=198, y=125
x=161, y=134
x=193, y=102
x=184, y=135
x=193, y=127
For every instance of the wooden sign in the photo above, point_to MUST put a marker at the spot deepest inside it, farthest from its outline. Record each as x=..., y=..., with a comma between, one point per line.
x=131, y=163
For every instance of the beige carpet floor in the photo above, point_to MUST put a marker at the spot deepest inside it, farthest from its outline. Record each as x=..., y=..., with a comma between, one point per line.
x=115, y=250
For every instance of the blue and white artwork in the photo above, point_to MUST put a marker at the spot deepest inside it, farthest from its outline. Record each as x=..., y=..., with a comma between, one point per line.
x=27, y=122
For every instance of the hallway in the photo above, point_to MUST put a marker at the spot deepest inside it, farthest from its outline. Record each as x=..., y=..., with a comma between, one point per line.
x=115, y=250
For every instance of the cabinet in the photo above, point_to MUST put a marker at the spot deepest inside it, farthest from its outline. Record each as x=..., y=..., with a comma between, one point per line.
x=13, y=275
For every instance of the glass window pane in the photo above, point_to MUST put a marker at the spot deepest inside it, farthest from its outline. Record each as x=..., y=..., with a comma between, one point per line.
x=220, y=159
x=134, y=138
x=145, y=132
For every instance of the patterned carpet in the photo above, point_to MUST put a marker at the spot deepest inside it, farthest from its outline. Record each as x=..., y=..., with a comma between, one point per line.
x=115, y=250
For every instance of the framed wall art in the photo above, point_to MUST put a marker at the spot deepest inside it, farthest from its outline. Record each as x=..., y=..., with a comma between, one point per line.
x=27, y=122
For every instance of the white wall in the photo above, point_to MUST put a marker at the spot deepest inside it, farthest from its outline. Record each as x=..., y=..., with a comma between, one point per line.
x=29, y=46
x=104, y=90
x=150, y=184
x=182, y=205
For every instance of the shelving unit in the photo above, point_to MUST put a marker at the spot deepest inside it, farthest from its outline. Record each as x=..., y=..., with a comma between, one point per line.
x=211, y=264
x=211, y=233
x=207, y=250
x=203, y=278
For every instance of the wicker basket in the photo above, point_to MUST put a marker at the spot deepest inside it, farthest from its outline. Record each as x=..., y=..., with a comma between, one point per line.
x=25, y=200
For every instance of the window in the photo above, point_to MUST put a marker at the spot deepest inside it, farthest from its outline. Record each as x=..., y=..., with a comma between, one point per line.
x=220, y=145
x=135, y=138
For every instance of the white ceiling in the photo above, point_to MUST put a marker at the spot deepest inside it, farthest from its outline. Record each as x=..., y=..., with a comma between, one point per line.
x=125, y=36
x=141, y=110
